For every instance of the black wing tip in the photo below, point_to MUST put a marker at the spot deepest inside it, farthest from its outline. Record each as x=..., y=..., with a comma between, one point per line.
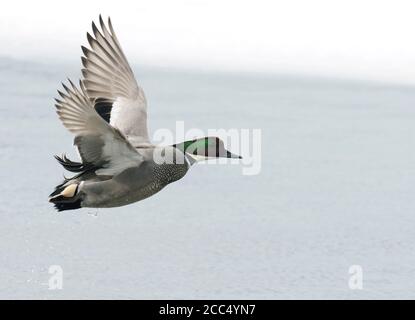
x=72, y=84
x=95, y=30
x=66, y=87
x=63, y=96
x=84, y=61
x=84, y=72
x=85, y=50
x=110, y=26
x=90, y=38
x=82, y=86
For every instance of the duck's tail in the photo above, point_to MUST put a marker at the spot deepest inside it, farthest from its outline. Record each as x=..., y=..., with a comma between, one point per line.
x=62, y=206
x=72, y=166
x=65, y=197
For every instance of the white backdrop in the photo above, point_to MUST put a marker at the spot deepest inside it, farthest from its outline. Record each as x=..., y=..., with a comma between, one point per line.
x=355, y=39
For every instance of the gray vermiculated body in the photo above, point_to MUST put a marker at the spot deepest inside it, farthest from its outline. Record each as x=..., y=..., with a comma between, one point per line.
x=132, y=184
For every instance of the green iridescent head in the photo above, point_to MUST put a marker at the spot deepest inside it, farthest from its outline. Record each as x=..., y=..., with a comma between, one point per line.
x=205, y=148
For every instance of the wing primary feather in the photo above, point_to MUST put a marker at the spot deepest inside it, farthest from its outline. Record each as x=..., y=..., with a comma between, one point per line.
x=108, y=75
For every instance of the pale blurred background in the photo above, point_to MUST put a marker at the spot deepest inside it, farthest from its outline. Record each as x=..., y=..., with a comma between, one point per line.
x=356, y=39
x=329, y=83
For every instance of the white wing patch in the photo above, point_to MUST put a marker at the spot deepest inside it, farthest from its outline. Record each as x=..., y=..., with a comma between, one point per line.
x=125, y=116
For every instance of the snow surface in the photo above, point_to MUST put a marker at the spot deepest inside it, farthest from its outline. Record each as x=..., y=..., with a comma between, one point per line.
x=336, y=189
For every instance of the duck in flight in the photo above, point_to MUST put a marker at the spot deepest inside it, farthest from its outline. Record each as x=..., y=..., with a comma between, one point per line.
x=107, y=113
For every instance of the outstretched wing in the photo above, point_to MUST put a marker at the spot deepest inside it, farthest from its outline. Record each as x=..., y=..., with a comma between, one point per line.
x=110, y=81
x=98, y=143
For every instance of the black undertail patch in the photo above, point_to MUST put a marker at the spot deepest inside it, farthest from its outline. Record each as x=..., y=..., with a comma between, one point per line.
x=62, y=206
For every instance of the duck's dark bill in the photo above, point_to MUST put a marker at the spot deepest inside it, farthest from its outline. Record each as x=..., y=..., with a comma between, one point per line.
x=232, y=155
